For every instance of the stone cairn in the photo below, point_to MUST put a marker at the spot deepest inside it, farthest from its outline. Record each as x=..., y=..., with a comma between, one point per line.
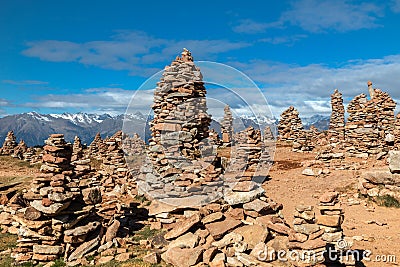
x=40, y=235
x=314, y=234
x=97, y=148
x=369, y=123
x=382, y=182
x=114, y=170
x=82, y=168
x=133, y=146
x=180, y=152
x=290, y=127
x=305, y=240
x=337, y=121
x=396, y=132
x=20, y=150
x=9, y=144
x=227, y=126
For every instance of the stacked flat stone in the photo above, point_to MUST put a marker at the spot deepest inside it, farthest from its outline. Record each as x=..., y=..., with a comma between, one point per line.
x=269, y=137
x=290, y=127
x=247, y=153
x=304, y=141
x=337, y=121
x=96, y=148
x=20, y=150
x=9, y=144
x=382, y=182
x=29, y=154
x=114, y=169
x=370, y=123
x=331, y=218
x=238, y=232
x=180, y=151
x=227, y=126
x=40, y=233
x=396, y=132
x=82, y=168
x=77, y=150
x=133, y=146
x=362, y=134
x=385, y=106
x=306, y=239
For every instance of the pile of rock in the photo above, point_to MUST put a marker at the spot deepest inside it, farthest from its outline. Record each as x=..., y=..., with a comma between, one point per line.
x=82, y=168
x=182, y=156
x=9, y=144
x=396, y=132
x=246, y=233
x=115, y=173
x=133, y=145
x=305, y=240
x=20, y=150
x=290, y=127
x=41, y=223
x=246, y=155
x=97, y=148
x=383, y=182
x=370, y=124
x=331, y=218
x=337, y=121
x=304, y=141
x=227, y=126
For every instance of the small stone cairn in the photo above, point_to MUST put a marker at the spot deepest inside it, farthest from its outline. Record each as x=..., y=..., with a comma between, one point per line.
x=9, y=144
x=227, y=126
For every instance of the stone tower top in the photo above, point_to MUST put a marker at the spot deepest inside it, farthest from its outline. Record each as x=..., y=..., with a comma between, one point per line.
x=370, y=89
x=186, y=55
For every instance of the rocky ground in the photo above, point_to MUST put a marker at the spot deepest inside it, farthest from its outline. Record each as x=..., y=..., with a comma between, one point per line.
x=373, y=227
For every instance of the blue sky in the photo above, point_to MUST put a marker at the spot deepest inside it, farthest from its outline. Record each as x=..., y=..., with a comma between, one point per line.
x=91, y=56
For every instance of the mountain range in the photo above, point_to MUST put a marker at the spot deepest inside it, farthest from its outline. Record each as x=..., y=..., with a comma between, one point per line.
x=34, y=128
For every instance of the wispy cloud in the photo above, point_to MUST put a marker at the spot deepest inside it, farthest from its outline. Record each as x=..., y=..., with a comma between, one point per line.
x=24, y=82
x=325, y=15
x=128, y=50
x=96, y=100
x=395, y=6
x=288, y=40
x=250, y=26
x=318, y=16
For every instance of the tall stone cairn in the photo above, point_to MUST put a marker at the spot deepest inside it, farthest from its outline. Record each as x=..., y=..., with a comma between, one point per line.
x=227, y=126
x=180, y=119
x=9, y=144
x=20, y=150
x=369, y=123
x=337, y=121
x=97, y=148
x=77, y=150
x=397, y=132
x=40, y=233
x=290, y=126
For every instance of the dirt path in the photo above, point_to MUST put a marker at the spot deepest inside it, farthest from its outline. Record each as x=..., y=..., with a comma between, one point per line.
x=290, y=187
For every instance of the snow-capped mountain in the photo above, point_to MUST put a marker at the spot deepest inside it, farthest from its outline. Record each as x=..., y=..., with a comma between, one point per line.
x=321, y=122
x=34, y=128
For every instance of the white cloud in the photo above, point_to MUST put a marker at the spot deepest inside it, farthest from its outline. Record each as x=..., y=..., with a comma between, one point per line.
x=309, y=87
x=395, y=6
x=249, y=26
x=128, y=50
x=340, y=15
x=320, y=16
x=24, y=82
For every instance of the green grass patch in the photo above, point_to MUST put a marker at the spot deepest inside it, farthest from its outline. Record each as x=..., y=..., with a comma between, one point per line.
x=7, y=241
x=145, y=233
x=388, y=201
